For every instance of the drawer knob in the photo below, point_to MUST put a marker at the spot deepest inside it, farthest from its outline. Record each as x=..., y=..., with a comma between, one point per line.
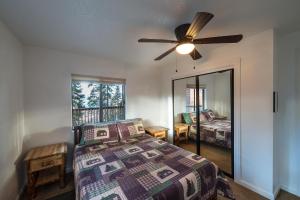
x=47, y=163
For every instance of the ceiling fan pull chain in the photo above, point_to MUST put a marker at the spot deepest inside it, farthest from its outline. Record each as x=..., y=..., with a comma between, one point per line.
x=195, y=59
x=176, y=63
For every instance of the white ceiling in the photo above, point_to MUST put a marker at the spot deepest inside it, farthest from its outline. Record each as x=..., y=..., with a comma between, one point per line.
x=111, y=28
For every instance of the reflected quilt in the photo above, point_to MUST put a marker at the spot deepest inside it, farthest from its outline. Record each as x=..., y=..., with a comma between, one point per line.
x=145, y=168
x=217, y=132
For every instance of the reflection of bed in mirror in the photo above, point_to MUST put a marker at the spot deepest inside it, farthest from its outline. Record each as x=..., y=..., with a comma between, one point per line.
x=214, y=129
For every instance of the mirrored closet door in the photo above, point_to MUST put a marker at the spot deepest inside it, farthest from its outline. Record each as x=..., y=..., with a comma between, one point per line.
x=203, y=117
x=215, y=119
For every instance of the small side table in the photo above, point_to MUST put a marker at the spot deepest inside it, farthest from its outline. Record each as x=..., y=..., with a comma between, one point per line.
x=158, y=132
x=182, y=131
x=45, y=164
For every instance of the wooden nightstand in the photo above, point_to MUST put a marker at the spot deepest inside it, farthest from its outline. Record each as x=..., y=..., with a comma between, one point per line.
x=181, y=131
x=158, y=132
x=45, y=164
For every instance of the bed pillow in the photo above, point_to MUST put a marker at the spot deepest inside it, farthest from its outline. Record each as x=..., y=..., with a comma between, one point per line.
x=103, y=133
x=193, y=117
x=210, y=115
x=187, y=118
x=130, y=129
x=203, y=117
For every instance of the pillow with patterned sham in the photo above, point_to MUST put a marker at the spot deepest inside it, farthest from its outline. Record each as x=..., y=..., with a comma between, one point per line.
x=210, y=115
x=103, y=133
x=131, y=129
x=193, y=117
x=203, y=117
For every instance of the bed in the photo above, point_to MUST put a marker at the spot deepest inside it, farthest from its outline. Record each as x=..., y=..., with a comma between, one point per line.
x=144, y=167
x=217, y=132
x=214, y=129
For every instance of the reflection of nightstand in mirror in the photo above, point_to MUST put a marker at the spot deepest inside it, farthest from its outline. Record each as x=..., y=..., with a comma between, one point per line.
x=181, y=132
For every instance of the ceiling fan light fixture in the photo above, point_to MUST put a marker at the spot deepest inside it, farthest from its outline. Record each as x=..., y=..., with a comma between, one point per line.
x=185, y=48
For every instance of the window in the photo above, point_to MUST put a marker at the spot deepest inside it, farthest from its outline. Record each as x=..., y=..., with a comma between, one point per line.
x=191, y=98
x=97, y=100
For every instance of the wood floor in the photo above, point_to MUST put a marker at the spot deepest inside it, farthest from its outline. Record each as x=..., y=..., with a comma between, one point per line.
x=283, y=195
x=54, y=192
x=218, y=155
x=242, y=193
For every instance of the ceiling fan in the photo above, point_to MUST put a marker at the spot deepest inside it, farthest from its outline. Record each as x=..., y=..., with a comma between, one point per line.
x=186, y=37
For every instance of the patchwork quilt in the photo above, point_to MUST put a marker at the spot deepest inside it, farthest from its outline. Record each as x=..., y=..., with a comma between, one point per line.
x=145, y=168
x=217, y=132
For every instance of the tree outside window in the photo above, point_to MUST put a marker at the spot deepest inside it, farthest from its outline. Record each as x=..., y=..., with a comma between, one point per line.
x=95, y=101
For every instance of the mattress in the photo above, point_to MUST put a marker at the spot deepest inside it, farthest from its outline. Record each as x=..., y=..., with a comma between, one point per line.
x=145, y=168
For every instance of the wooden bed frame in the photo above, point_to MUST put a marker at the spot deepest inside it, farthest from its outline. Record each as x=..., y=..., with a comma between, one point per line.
x=77, y=134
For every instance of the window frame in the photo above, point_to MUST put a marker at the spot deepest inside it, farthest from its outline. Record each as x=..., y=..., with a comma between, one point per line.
x=100, y=118
x=193, y=88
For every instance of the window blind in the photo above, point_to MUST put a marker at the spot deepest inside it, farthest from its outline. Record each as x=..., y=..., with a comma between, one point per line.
x=193, y=86
x=99, y=79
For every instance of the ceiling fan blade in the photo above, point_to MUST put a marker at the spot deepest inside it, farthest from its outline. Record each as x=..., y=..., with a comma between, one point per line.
x=165, y=54
x=199, y=21
x=157, y=40
x=195, y=54
x=220, y=39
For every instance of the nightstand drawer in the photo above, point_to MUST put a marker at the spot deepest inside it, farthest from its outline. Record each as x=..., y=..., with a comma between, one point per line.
x=182, y=129
x=157, y=132
x=44, y=163
x=161, y=134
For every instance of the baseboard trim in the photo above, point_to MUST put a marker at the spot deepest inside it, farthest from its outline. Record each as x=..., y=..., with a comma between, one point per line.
x=276, y=192
x=260, y=191
x=292, y=191
x=19, y=195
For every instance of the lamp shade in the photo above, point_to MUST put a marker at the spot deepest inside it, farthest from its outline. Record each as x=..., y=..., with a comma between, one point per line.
x=185, y=48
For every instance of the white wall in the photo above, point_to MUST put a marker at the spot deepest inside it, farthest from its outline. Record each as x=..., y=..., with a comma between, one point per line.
x=47, y=89
x=222, y=94
x=143, y=94
x=209, y=82
x=11, y=112
x=289, y=113
x=256, y=117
